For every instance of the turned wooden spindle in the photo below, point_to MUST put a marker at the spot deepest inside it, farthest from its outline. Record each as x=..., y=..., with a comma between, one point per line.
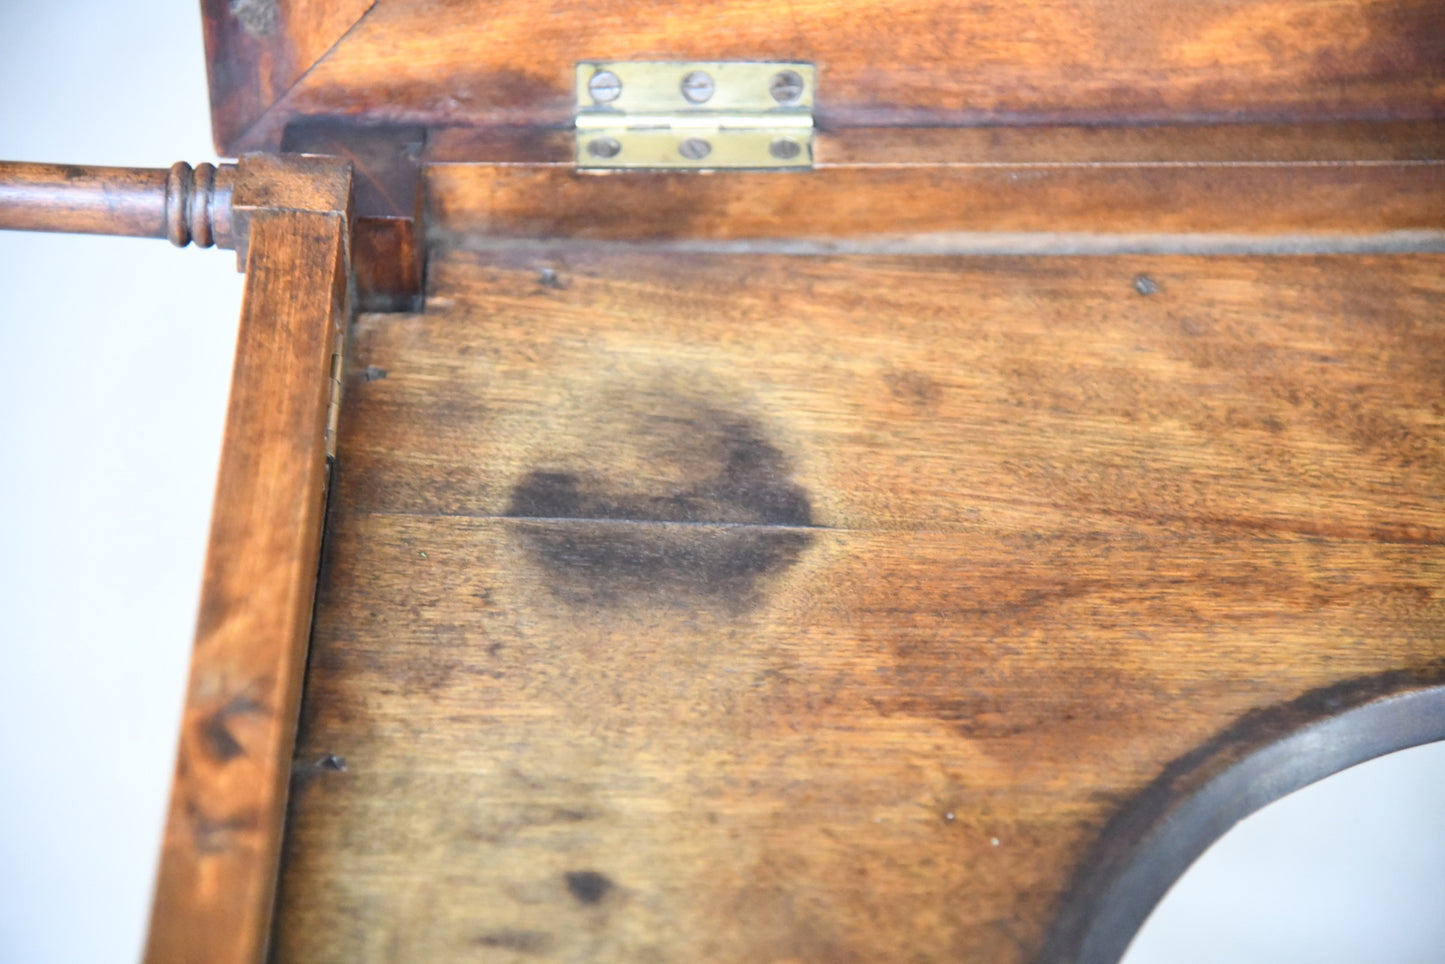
x=185, y=205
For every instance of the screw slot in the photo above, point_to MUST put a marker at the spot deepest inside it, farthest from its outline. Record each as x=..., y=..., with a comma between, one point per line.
x=694, y=148
x=697, y=87
x=604, y=147
x=785, y=148
x=786, y=87
x=604, y=86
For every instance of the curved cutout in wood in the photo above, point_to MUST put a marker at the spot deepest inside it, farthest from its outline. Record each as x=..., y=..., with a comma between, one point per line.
x=1264, y=756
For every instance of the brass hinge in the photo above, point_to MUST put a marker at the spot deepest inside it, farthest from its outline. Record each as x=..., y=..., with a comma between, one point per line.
x=695, y=116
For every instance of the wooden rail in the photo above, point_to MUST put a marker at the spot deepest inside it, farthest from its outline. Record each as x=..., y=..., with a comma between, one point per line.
x=183, y=204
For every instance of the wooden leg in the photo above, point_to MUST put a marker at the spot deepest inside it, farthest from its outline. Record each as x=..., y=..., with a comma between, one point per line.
x=218, y=869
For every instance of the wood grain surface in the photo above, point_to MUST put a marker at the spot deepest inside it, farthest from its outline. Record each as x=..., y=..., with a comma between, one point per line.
x=920, y=63
x=216, y=884
x=746, y=607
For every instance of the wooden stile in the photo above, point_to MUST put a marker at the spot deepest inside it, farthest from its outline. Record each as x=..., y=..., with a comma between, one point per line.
x=216, y=884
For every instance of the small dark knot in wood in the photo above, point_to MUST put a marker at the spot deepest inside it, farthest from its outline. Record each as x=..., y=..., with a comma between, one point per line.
x=190, y=193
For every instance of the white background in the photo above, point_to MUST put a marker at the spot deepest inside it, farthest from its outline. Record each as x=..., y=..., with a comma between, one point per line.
x=114, y=363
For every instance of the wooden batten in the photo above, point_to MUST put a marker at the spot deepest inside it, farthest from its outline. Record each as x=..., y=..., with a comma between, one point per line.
x=971, y=209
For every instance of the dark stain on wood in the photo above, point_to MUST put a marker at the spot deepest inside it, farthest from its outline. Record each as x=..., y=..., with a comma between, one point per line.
x=219, y=743
x=216, y=737
x=588, y=886
x=212, y=835
x=591, y=563
x=720, y=512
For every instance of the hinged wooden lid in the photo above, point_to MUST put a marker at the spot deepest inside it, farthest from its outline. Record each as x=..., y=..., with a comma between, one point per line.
x=930, y=63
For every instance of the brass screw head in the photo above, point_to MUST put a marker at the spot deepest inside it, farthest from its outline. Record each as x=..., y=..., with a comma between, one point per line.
x=698, y=87
x=604, y=86
x=604, y=147
x=786, y=87
x=785, y=148
x=694, y=148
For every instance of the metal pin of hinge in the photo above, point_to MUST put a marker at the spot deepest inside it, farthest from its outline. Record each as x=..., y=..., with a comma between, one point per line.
x=694, y=116
x=333, y=408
